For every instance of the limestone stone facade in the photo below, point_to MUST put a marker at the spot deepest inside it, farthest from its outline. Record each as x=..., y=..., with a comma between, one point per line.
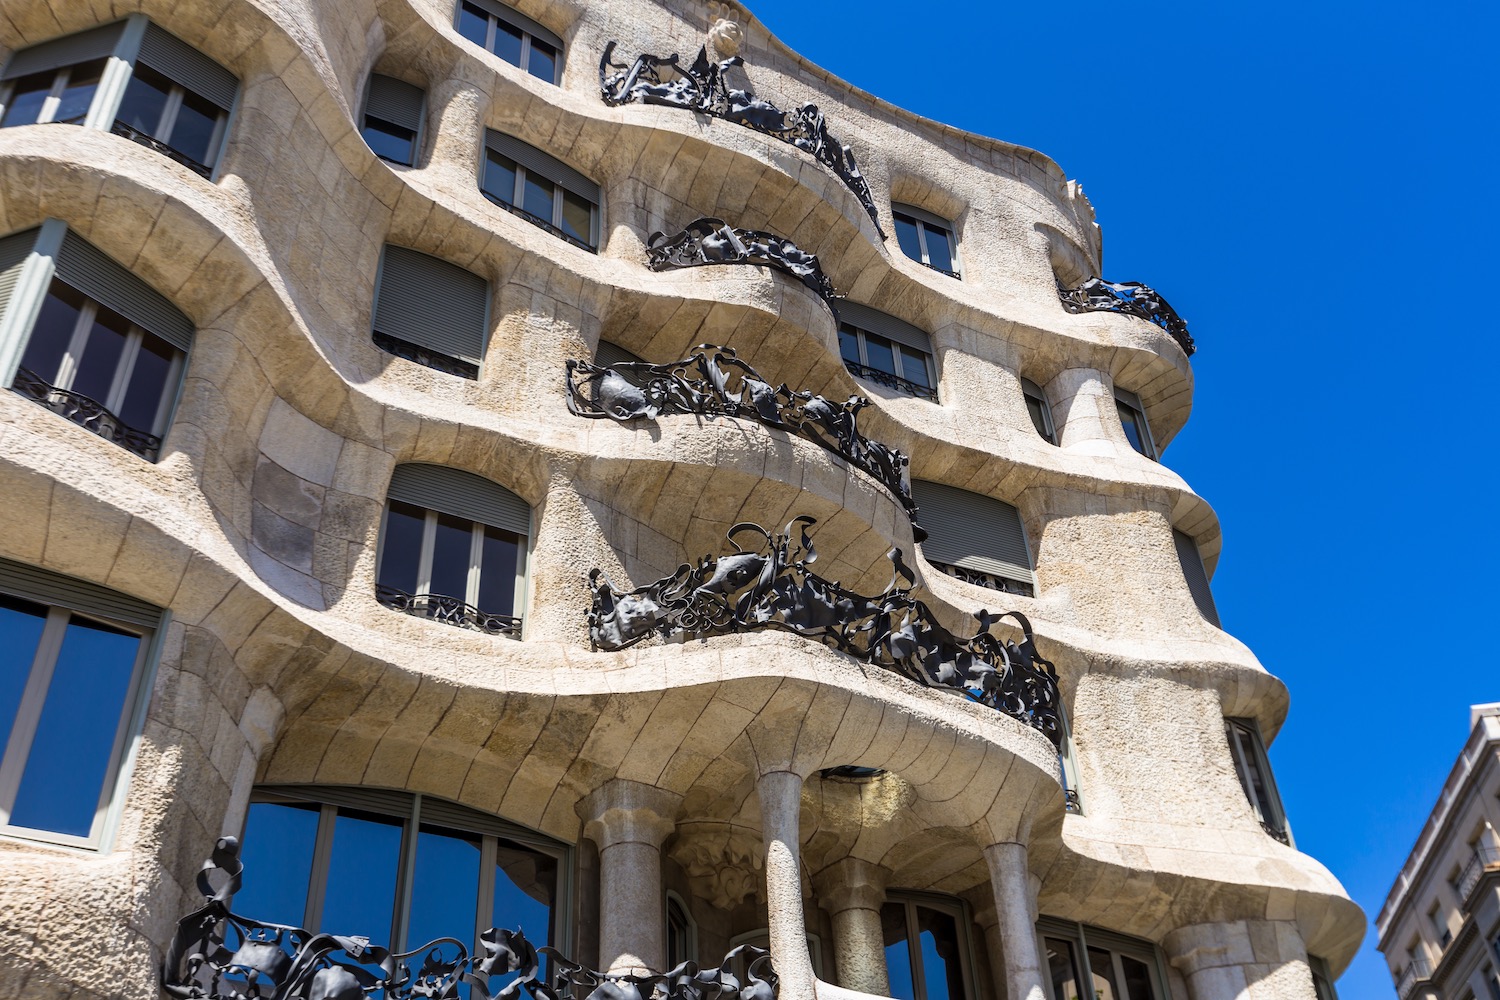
x=255, y=529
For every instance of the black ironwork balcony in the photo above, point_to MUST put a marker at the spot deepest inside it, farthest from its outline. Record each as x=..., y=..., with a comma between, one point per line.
x=713, y=241
x=989, y=581
x=1276, y=831
x=540, y=223
x=1486, y=858
x=448, y=610
x=771, y=586
x=1130, y=298
x=940, y=270
x=891, y=381
x=136, y=135
x=1417, y=971
x=423, y=356
x=87, y=413
x=217, y=954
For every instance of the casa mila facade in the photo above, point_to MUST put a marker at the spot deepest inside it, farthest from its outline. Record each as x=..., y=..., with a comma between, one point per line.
x=571, y=500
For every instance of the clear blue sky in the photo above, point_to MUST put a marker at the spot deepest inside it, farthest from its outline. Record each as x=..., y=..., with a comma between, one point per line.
x=1311, y=186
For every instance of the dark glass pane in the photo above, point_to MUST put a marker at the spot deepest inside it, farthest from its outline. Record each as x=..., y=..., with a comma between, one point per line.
x=1102, y=971
x=78, y=93
x=939, y=250
x=897, y=951
x=1035, y=407
x=880, y=354
x=193, y=131
x=536, y=196
x=145, y=99
x=578, y=217
x=1128, y=420
x=507, y=43
x=1062, y=968
x=75, y=737
x=53, y=330
x=27, y=97
x=95, y=374
x=849, y=344
x=525, y=892
x=914, y=367
x=499, y=177
x=942, y=969
x=1253, y=780
x=21, y=625
x=1137, y=979
x=473, y=23
x=278, y=854
x=148, y=383
x=445, y=894
x=451, y=557
x=543, y=63
x=390, y=142
x=361, y=893
x=497, y=572
x=677, y=935
x=906, y=235
x=401, y=550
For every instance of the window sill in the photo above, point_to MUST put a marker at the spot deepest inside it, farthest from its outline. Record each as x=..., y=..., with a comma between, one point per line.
x=448, y=611
x=540, y=223
x=408, y=351
x=86, y=413
x=136, y=135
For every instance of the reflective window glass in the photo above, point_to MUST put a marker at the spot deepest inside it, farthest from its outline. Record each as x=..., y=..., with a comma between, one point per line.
x=1101, y=968
x=389, y=142
x=95, y=374
x=194, y=130
x=473, y=23
x=1038, y=412
x=1135, y=978
x=942, y=972
x=1128, y=420
x=897, y=951
x=914, y=367
x=849, y=344
x=445, y=896
x=879, y=353
x=21, y=624
x=26, y=98
x=525, y=890
x=53, y=331
x=362, y=867
x=78, y=92
x=543, y=61
x=497, y=572
x=148, y=383
x=939, y=249
x=401, y=550
x=280, y=856
x=536, y=196
x=500, y=177
x=145, y=100
x=1062, y=969
x=577, y=217
x=507, y=43
x=906, y=236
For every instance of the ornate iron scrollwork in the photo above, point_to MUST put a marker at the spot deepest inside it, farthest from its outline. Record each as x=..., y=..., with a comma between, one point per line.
x=217, y=954
x=772, y=587
x=134, y=134
x=448, y=610
x=713, y=381
x=702, y=87
x=423, y=356
x=714, y=241
x=87, y=413
x=989, y=581
x=1131, y=298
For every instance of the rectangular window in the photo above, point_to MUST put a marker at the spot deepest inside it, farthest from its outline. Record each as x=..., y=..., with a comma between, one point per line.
x=926, y=239
x=1133, y=422
x=512, y=36
x=392, y=121
x=975, y=538
x=1323, y=980
x=1193, y=570
x=1040, y=412
x=926, y=949
x=69, y=702
x=60, y=95
x=887, y=351
x=1084, y=963
x=1254, y=770
x=431, y=312
x=542, y=190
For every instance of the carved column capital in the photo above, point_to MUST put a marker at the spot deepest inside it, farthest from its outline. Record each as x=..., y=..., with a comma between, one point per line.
x=1241, y=960
x=851, y=884
x=623, y=811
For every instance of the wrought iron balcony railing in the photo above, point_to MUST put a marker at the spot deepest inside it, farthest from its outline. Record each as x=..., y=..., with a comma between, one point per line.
x=136, y=135
x=987, y=580
x=87, y=413
x=1486, y=858
x=448, y=610
x=540, y=223
x=423, y=356
x=940, y=270
x=1130, y=298
x=1276, y=831
x=1416, y=972
x=891, y=381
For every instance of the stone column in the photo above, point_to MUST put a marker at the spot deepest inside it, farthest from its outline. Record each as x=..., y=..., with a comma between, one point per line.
x=852, y=892
x=983, y=906
x=629, y=821
x=1083, y=412
x=780, y=805
x=1242, y=960
x=1015, y=909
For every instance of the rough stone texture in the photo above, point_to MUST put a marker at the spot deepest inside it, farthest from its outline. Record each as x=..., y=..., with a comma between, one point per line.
x=258, y=526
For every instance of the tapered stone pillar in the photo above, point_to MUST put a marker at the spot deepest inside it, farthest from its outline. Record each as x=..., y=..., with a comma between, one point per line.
x=629, y=821
x=1015, y=911
x=852, y=891
x=780, y=805
x=1242, y=960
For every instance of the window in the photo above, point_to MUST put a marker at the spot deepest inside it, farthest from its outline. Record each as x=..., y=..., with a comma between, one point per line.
x=682, y=932
x=396, y=867
x=173, y=99
x=1041, y=413
x=71, y=700
x=543, y=191
x=1254, y=769
x=1196, y=575
x=392, y=123
x=974, y=538
x=926, y=239
x=926, y=948
x=1133, y=421
x=453, y=548
x=431, y=312
x=512, y=36
x=1067, y=764
x=1323, y=981
x=96, y=345
x=1084, y=963
x=886, y=351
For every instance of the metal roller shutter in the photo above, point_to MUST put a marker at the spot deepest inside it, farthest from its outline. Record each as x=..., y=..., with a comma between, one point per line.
x=462, y=494
x=174, y=58
x=395, y=101
x=96, y=43
x=25, y=581
x=873, y=321
x=92, y=272
x=972, y=531
x=14, y=250
x=432, y=303
x=1197, y=576
x=608, y=355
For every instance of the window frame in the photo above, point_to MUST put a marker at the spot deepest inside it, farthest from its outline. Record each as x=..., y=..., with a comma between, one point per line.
x=414, y=150
x=1275, y=824
x=955, y=907
x=1082, y=937
x=560, y=188
x=522, y=24
x=126, y=744
x=902, y=383
x=170, y=110
x=1323, y=985
x=1031, y=392
x=689, y=929
x=61, y=77
x=376, y=802
x=921, y=221
x=1127, y=400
